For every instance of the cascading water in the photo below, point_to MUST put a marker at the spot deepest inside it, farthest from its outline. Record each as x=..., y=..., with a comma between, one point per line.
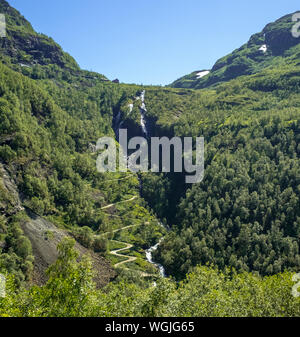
x=143, y=110
x=150, y=259
x=149, y=252
x=143, y=122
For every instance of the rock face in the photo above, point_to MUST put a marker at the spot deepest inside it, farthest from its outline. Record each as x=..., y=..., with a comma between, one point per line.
x=10, y=202
x=44, y=237
x=279, y=41
x=37, y=48
x=261, y=51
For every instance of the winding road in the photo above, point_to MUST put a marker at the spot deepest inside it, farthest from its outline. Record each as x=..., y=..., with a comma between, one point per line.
x=117, y=251
x=118, y=230
x=120, y=202
x=129, y=258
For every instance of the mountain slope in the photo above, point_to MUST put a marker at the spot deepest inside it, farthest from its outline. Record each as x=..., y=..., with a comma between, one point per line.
x=242, y=220
x=245, y=212
x=23, y=45
x=52, y=114
x=272, y=47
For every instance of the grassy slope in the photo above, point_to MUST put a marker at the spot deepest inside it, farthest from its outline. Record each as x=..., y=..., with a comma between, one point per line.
x=248, y=59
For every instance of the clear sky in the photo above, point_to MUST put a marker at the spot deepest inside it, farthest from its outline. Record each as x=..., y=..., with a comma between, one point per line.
x=151, y=41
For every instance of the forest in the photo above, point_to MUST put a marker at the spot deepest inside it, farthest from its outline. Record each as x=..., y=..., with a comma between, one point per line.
x=70, y=292
x=229, y=245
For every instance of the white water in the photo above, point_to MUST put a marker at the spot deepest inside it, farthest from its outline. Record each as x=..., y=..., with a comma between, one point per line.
x=143, y=124
x=149, y=252
x=143, y=110
x=130, y=107
x=150, y=259
x=117, y=124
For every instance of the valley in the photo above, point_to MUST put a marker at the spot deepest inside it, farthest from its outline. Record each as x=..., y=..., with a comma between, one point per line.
x=77, y=242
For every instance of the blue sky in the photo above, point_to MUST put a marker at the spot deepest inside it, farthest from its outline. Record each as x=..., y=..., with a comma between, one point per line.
x=150, y=41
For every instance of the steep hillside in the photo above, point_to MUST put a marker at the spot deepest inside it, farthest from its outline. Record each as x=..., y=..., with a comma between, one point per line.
x=245, y=213
x=52, y=114
x=272, y=47
x=233, y=238
x=24, y=46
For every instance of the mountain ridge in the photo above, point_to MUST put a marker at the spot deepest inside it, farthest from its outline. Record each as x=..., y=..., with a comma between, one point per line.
x=264, y=49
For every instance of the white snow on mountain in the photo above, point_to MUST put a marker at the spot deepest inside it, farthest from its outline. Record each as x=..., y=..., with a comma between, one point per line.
x=263, y=48
x=202, y=74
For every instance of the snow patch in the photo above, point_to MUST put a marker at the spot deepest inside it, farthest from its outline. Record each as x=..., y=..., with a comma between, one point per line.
x=263, y=48
x=202, y=73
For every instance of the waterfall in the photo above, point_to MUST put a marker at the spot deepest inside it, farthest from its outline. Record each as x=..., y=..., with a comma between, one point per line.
x=149, y=252
x=117, y=123
x=130, y=107
x=142, y=111
x=150, y=259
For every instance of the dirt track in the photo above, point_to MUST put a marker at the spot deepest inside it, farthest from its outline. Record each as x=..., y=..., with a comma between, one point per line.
x=120, y=202
x=117, y=251
x=129, y=258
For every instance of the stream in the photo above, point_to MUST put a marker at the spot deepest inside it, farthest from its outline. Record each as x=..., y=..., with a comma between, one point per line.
x=150, y=259
x=149, y=251
x=143, y=122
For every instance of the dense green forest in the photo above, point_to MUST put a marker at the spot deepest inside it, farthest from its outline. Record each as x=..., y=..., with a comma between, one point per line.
x=229, y=245
x=52, y=114
x=45, y=138
x=206, y=292
x=245, y=213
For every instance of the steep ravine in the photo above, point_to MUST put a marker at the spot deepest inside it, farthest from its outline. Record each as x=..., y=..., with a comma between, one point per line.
x=149, y=252
x=117, y=124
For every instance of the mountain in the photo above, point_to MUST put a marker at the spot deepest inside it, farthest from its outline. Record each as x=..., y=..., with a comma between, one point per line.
x=52, y=114
x=232, y=239
x=24, y=46
x=272, y=47
x=37, y=55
